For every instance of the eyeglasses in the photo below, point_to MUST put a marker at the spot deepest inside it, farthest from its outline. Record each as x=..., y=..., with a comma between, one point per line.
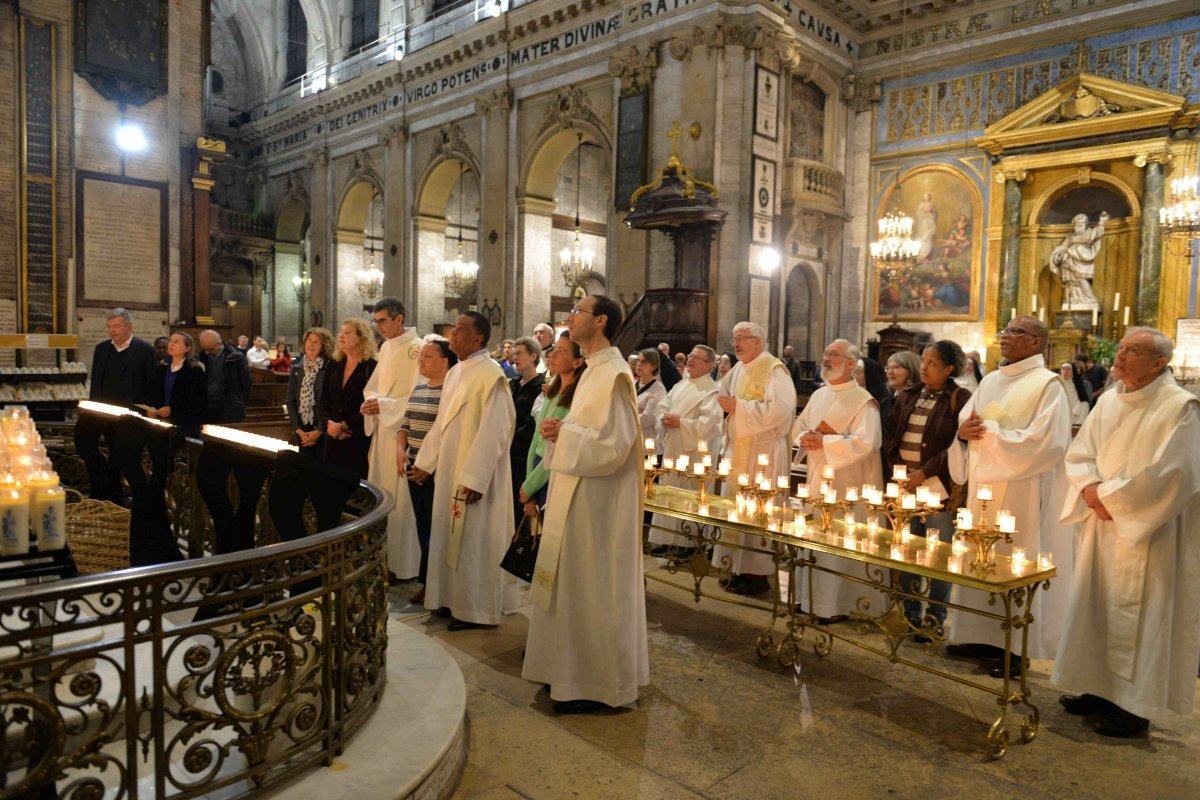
x=893, y=368
x=832, y=354
x=1015, y=331
x=576, y=311
x=742, y=338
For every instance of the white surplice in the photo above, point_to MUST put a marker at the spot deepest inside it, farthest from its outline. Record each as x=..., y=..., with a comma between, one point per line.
x=700, y=420
x=391, y=383
x=853, y=452
x=756, y=427
x=587, y=632
x=1132, y=634
x=468, y=448
x=648, y=401
x=1020, y=456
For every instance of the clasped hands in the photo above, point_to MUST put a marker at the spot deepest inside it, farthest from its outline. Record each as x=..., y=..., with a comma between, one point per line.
x=973, y=428
x=338, y=430
x=1091, y=496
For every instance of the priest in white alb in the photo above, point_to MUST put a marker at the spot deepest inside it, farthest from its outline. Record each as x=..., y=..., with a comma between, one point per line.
x=690, y=423
x=1132, y=636
x=759, y=400
x=385, y=398
x=1012, y=436
x=467, y=449
x=587, y=631
x=839, y=431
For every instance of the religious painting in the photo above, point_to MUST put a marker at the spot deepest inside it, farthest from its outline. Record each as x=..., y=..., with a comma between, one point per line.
x=121, y=48
x=763, y=217
x=766, y=103
x=947, y=214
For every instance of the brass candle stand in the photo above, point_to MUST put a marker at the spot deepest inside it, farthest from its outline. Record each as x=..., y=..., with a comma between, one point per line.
x=652, y=474
x=702, y=480
x=827, y=510
x=898, y=516
x=757, y=498
x=984, y=536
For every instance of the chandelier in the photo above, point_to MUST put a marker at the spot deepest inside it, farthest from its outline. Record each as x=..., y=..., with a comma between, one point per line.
x=1180, y=219
x=895, y=248
x=458, y=274
x=302, y=284
x=370, y=281
x=576, y=260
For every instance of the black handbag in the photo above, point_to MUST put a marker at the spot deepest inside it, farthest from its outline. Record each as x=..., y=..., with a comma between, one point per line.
x=523, y=549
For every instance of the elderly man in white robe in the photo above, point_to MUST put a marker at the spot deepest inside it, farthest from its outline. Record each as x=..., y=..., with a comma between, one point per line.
x=472, y=501
x=1132, y=636
x=1012, y=437
x=759, y=399
x=385, y=398
x=687, y=417
x=839, y=429
x=587, y=632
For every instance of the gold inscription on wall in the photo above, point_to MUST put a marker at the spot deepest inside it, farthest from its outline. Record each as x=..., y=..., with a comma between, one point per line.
x=122, y=245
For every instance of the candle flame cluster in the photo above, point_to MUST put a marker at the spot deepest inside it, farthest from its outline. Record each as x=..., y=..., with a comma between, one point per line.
x=1181, y=217
x=32, y=504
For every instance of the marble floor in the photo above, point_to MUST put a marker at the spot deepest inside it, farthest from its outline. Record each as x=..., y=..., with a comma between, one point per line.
x=717, y=722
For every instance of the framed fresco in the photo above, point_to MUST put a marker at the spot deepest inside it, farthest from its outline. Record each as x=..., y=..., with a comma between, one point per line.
x=121, y=48
x=945, y=282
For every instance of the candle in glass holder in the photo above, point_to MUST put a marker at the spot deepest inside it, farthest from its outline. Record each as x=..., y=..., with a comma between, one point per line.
x=831, y=496
x=984, y=492
x=702, y=509
x=799, y=526
x=827, y=472
x=764, y=485
x=852, y=495
x=802, y=491
x=932, y=538
x=1007, y=522
x=954, y=563
x=751, y=506
x=668, y=464
x=782, y=482
x=897, y=553
x=47, y=512
x=681, y=463
x=14, y=522
x=900, y=473
x=966, y=519
x=743, y=479
x=908, y=502
x=958, y=547
x=759, y=477
x=706, y=461
x=872, y=525
x=848, y=541
x=1018, y=568
x=763, y=461
x=1018, y=555
x=849, y=520
x=893, y=490
x=1045, y=560
x=702, y=446
x=649, y=445
x=697, y=469
x=649, y=462
x=724, y=467
x=905, y=534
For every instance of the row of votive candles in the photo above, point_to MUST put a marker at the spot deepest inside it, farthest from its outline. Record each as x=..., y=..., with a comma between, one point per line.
x=32, y=503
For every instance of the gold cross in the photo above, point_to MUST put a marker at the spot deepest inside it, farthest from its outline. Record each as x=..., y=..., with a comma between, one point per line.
x=674, y=135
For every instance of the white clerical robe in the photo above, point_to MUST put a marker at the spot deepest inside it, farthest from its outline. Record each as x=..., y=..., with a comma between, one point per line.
x=1027, y=429
x=700, y=420
x=758, y=426
x=587, y=632
x=1132, y=633
x=391, y=383
x=468, y=449
x=853, y=452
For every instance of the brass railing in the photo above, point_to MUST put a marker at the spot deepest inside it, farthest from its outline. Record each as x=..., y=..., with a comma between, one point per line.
x=225, y=673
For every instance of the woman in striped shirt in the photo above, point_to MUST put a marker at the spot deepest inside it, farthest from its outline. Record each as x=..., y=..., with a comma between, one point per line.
x=435, y=361
x=918, y=434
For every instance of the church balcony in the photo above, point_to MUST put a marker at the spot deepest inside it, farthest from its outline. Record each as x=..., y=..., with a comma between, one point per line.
x=814, y=184
x=261, y=226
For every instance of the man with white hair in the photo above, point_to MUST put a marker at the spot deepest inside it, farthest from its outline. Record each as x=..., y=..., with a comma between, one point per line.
x=760, y=402
x=839, y=428
x=687, y=416
x=544, y=335
x=1131, y=639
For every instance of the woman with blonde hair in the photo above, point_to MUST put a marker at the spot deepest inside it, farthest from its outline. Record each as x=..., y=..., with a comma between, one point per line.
x=346, y=443
x=306, y=388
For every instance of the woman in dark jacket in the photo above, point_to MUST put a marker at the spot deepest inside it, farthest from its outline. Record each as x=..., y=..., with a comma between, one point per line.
x=179, y=389
x=346, y=443
x=918, y=434
x=306, y=387
x=526, y=389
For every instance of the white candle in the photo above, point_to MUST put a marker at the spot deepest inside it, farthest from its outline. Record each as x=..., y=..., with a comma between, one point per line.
x=668, y=464
x=47, y=509
x=909, y=502
x=698, y=469
x=1035, y=302
x=1117, y=302
x=782, y=482
x=14, y=522
x=1018, y=555
x=827, y=472
x=1126, y=320
x=763, y=461
x=723, y=468
x=959, y=547
x=702, y=510
x=1012, y=314
x=984, y=492
x=743, y=479
x=649, y=445
x=1095, y=317
x=702, y=446
x=831, y=496
x=764, y=485
x=852, y=495
x=802, y=491
x=893, y=490
x=649, y=462
x=1045, y=560
x=681, y=463
x=966, y=520
x=706, y=461
x=1007, y=522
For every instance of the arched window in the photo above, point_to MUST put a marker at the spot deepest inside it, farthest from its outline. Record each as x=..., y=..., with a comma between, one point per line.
x=297, y=41
x=364, y=23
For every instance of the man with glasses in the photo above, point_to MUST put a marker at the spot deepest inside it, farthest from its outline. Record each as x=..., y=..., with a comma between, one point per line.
x=839, y=428
x=386, y=398
x=759, y=401
x=587, y=632
x=1012, y=436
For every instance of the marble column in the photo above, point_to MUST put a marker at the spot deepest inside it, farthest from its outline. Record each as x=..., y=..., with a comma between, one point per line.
x=1010, y=248
x=1150, y=247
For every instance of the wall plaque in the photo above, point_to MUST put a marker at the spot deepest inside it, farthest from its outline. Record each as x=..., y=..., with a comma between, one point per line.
x=766, y=103
x=121, y=235
x=631, y=147
x=121, y=48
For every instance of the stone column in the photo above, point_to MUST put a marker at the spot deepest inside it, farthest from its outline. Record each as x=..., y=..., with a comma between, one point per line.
x=430, y=302
x=1150, y=246
x=494, y=194
x=1010, y=244
x=394, y=140
x=536, y=262
x=317, y=162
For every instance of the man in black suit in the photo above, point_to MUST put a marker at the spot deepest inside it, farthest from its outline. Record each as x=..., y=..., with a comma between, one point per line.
x=122, y=369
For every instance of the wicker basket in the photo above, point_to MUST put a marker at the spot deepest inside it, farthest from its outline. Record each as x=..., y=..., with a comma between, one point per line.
x=98, y=533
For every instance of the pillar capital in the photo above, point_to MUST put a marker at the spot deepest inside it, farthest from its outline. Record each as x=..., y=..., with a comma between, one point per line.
x=1016, y=174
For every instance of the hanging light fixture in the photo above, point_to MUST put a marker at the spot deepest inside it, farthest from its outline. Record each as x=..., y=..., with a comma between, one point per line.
x=302, y=284
x=895, y=249
x=1180, y=218
x=370, y=281
x=576, y=260
x=458, y=274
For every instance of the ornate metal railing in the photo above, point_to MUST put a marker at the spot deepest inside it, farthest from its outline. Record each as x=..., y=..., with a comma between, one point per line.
x=225, y=673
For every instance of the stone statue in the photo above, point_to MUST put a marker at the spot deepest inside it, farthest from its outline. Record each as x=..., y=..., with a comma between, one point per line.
x=1074, y=260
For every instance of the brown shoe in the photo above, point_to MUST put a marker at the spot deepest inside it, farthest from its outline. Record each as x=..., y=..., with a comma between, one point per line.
x=418, y=597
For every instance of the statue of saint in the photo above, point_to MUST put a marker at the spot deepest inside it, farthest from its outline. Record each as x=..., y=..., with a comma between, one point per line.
x=1074, y=260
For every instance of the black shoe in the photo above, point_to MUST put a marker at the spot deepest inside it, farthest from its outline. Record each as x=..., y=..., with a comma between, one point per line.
x=1119, y=723
x=680, y=553
x=981, y=652
x=751, y=586
x=1014, y=668
x=442, y=612
x=578, y=706
x=658, y=551
x=462, y=625
x=729, y=582
x=1082, y=705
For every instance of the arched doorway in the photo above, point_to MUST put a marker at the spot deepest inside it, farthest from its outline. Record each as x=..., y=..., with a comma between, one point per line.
x=802, y=312
x=358, y=242
x=447, y=208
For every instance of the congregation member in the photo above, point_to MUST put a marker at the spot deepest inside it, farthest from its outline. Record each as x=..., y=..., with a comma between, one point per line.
x=420, y=413
x=228, y=379
x=526, y=390
x=1131, y=640
x=160, y=349
x=681, y=362
x=792, y=365
x=385, y=399
x=918, y=434
x=668, y=373
x=724, y=364
x=282, y=362
x=346, y=441
x=467, y=454
x=902, y=371
x=306, y=386
x=179, y=388
x=543, y=334
x=506, y=359
x=1012, y=436
x=243, y=344
x=259, y=357
x=1097, y=377
x=565, y=364
x=122, y=374
x=972, y=374
x=1079, y=393
x=839, y=428
x=587, y=633
x=650, y=390
x=759, y=402
x=687, y=416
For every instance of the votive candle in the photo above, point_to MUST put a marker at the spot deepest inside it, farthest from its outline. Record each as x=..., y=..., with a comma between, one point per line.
x=984, y=492
x=827, y=472
x=763, y=461
x=900, y=473
x=47, y=510
x=1018, y=555
x=954, y=563
x=1007, y=522
x=14, y=522
x=1045, y=560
